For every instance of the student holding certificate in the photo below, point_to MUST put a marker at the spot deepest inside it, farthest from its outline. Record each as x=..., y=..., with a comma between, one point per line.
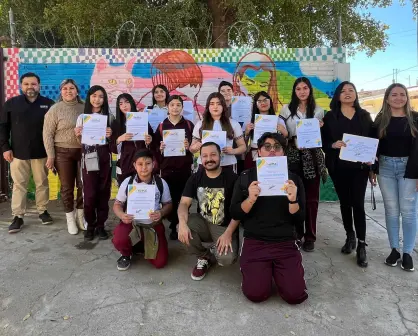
x=174, y=135
x=350, y=178
x=125, y=147
x=262, y=104
x=396, y=127
x=308, y=163
x=96, y=163
x=215, y=119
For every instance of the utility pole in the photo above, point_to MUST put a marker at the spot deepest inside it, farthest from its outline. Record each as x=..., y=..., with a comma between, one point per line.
x=12, y=28
x=340, y=34
x=409, y=79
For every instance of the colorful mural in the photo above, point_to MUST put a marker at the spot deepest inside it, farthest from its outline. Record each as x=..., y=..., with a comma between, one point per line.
x=194, y=74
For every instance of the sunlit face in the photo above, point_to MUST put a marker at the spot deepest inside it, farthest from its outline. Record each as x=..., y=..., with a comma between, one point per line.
x=226, y=91
x=397, y=98
x=211, y=159
x=302, y=91
x=30, y=87
x=271, y=148
x=348, y=94
x=124, y=105
x=175, y=107
x=97, y=99
x=263, y=104
x=69, y=92
x=159, y=95
x=144, y=167
x=215, y=108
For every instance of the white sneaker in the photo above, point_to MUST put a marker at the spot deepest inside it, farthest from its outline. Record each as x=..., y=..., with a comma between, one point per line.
x=71, y=223
x=81, y=222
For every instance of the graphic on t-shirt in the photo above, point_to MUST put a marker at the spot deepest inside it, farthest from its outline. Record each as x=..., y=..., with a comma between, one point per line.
x=211, y=201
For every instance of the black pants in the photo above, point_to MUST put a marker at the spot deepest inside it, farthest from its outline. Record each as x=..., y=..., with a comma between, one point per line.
x=350, y=186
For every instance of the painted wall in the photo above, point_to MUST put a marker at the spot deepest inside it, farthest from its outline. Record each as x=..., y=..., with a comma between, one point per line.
x=192, y=73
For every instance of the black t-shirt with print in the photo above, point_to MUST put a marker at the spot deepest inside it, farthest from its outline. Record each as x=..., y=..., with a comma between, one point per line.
x=213, y=194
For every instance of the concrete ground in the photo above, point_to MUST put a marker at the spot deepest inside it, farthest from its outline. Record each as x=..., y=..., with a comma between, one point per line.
x=52, y=283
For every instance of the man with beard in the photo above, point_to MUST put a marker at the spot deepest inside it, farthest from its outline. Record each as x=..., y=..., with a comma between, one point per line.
x=21, y=125
x=212, y=187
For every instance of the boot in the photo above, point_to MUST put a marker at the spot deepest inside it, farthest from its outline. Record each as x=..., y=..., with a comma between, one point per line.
x=350, y=243
x=361, y=254
x=81, y=223
x=71, y=224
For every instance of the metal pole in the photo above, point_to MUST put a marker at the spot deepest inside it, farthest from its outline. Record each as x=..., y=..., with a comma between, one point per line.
x=12, y=28
x=340, y=34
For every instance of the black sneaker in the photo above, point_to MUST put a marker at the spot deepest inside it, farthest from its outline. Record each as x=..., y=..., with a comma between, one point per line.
x=88, y=235
x=174, y=235
x=350, y=243
x=407, y=263
x=393, y=258
x=361, y=254
x=308, y=246
x=16, y=225
x=123, y=263
x=101, y=232
x=45, y=218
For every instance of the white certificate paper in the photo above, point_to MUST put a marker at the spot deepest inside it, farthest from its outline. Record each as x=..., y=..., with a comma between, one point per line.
x=264, y=123
x=359, y=149
x=137, y=124
x=156, y=116
x=272, y=174
x=218, y=137
x=241, y=107
x=141, y=200
x=174, y=142
x=308, y=133
x=94, y=129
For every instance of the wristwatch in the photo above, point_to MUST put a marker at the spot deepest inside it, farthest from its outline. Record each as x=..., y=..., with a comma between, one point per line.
x=296, y=201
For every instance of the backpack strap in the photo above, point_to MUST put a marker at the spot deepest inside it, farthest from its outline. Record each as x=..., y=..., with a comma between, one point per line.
x=245, y=180
x=160, y=185
x=131, y=180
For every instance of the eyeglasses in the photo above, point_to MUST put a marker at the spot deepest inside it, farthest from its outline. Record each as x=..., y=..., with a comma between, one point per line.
x=277, y=147
x=263, y=101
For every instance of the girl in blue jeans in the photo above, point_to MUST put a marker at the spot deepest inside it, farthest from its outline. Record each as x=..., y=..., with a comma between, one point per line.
x=396, y=127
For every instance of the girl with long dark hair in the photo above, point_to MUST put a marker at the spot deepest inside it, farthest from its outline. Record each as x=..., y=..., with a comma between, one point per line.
x=309, y=164
x=97, y=181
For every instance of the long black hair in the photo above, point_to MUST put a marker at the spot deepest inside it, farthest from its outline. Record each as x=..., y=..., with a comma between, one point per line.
x=120, y=116
x=335, y=104
x=88, y=108
x=255, y=109
x=295, y=101
x=167, y=94
x=207, y=121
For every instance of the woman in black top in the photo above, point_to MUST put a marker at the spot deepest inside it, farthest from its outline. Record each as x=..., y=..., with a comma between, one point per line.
x=350, y=178
x=396, y=127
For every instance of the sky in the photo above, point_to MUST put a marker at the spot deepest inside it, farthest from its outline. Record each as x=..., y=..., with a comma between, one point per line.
x=401, y=53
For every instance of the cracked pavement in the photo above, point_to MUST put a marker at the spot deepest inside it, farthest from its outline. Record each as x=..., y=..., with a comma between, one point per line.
x=53, y=284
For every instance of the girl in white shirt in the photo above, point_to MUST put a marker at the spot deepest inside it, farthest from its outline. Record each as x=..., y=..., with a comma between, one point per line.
x=215, y=119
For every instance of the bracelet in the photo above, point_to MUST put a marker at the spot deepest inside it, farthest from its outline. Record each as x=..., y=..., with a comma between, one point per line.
x=249, y=201
x=294, y=202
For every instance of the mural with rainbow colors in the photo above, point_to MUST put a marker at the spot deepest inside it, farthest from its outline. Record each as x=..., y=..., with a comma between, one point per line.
x=192, y=73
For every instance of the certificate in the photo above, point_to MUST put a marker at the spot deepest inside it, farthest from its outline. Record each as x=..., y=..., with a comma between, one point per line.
x=94, y=129
x=156, y=116
x=359, y=149
x=308, y=133
x=174, y=142
x=141, y=200
x=272, y=174
x=218, y=137
x=264, y=123
x=137, y=124
x=241, y=109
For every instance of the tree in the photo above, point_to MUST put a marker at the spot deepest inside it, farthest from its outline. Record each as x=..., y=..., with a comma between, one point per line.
x=197, y=23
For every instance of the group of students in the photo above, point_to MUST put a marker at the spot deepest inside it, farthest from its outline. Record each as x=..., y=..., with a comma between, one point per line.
x=274, y=227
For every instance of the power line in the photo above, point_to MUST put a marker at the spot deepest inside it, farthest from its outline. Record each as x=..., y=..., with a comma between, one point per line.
x=388, y=75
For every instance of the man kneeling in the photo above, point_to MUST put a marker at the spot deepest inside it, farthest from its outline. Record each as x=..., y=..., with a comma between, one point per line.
x=148, y=236
x=269, y=248
x=212, y=187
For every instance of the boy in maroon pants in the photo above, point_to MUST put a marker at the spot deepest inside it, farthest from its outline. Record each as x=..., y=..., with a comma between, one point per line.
x=269, y=249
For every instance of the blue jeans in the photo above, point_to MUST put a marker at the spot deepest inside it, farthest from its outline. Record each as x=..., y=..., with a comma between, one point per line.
x=400, y=199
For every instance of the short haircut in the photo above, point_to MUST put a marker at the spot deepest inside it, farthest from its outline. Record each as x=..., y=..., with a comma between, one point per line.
x=224, y=83
x=275, y=136
x=175, y=97
x=210, y=143
x=30, y=74
x=143, y=153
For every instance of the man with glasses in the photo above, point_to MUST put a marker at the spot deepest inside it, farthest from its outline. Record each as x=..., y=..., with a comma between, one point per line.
x=21, y=125
x=269, y=249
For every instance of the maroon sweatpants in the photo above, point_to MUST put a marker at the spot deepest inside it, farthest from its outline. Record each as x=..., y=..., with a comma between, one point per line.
x=123, y=244
x=96, y=190
x=261, y=261
x=312, y=201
